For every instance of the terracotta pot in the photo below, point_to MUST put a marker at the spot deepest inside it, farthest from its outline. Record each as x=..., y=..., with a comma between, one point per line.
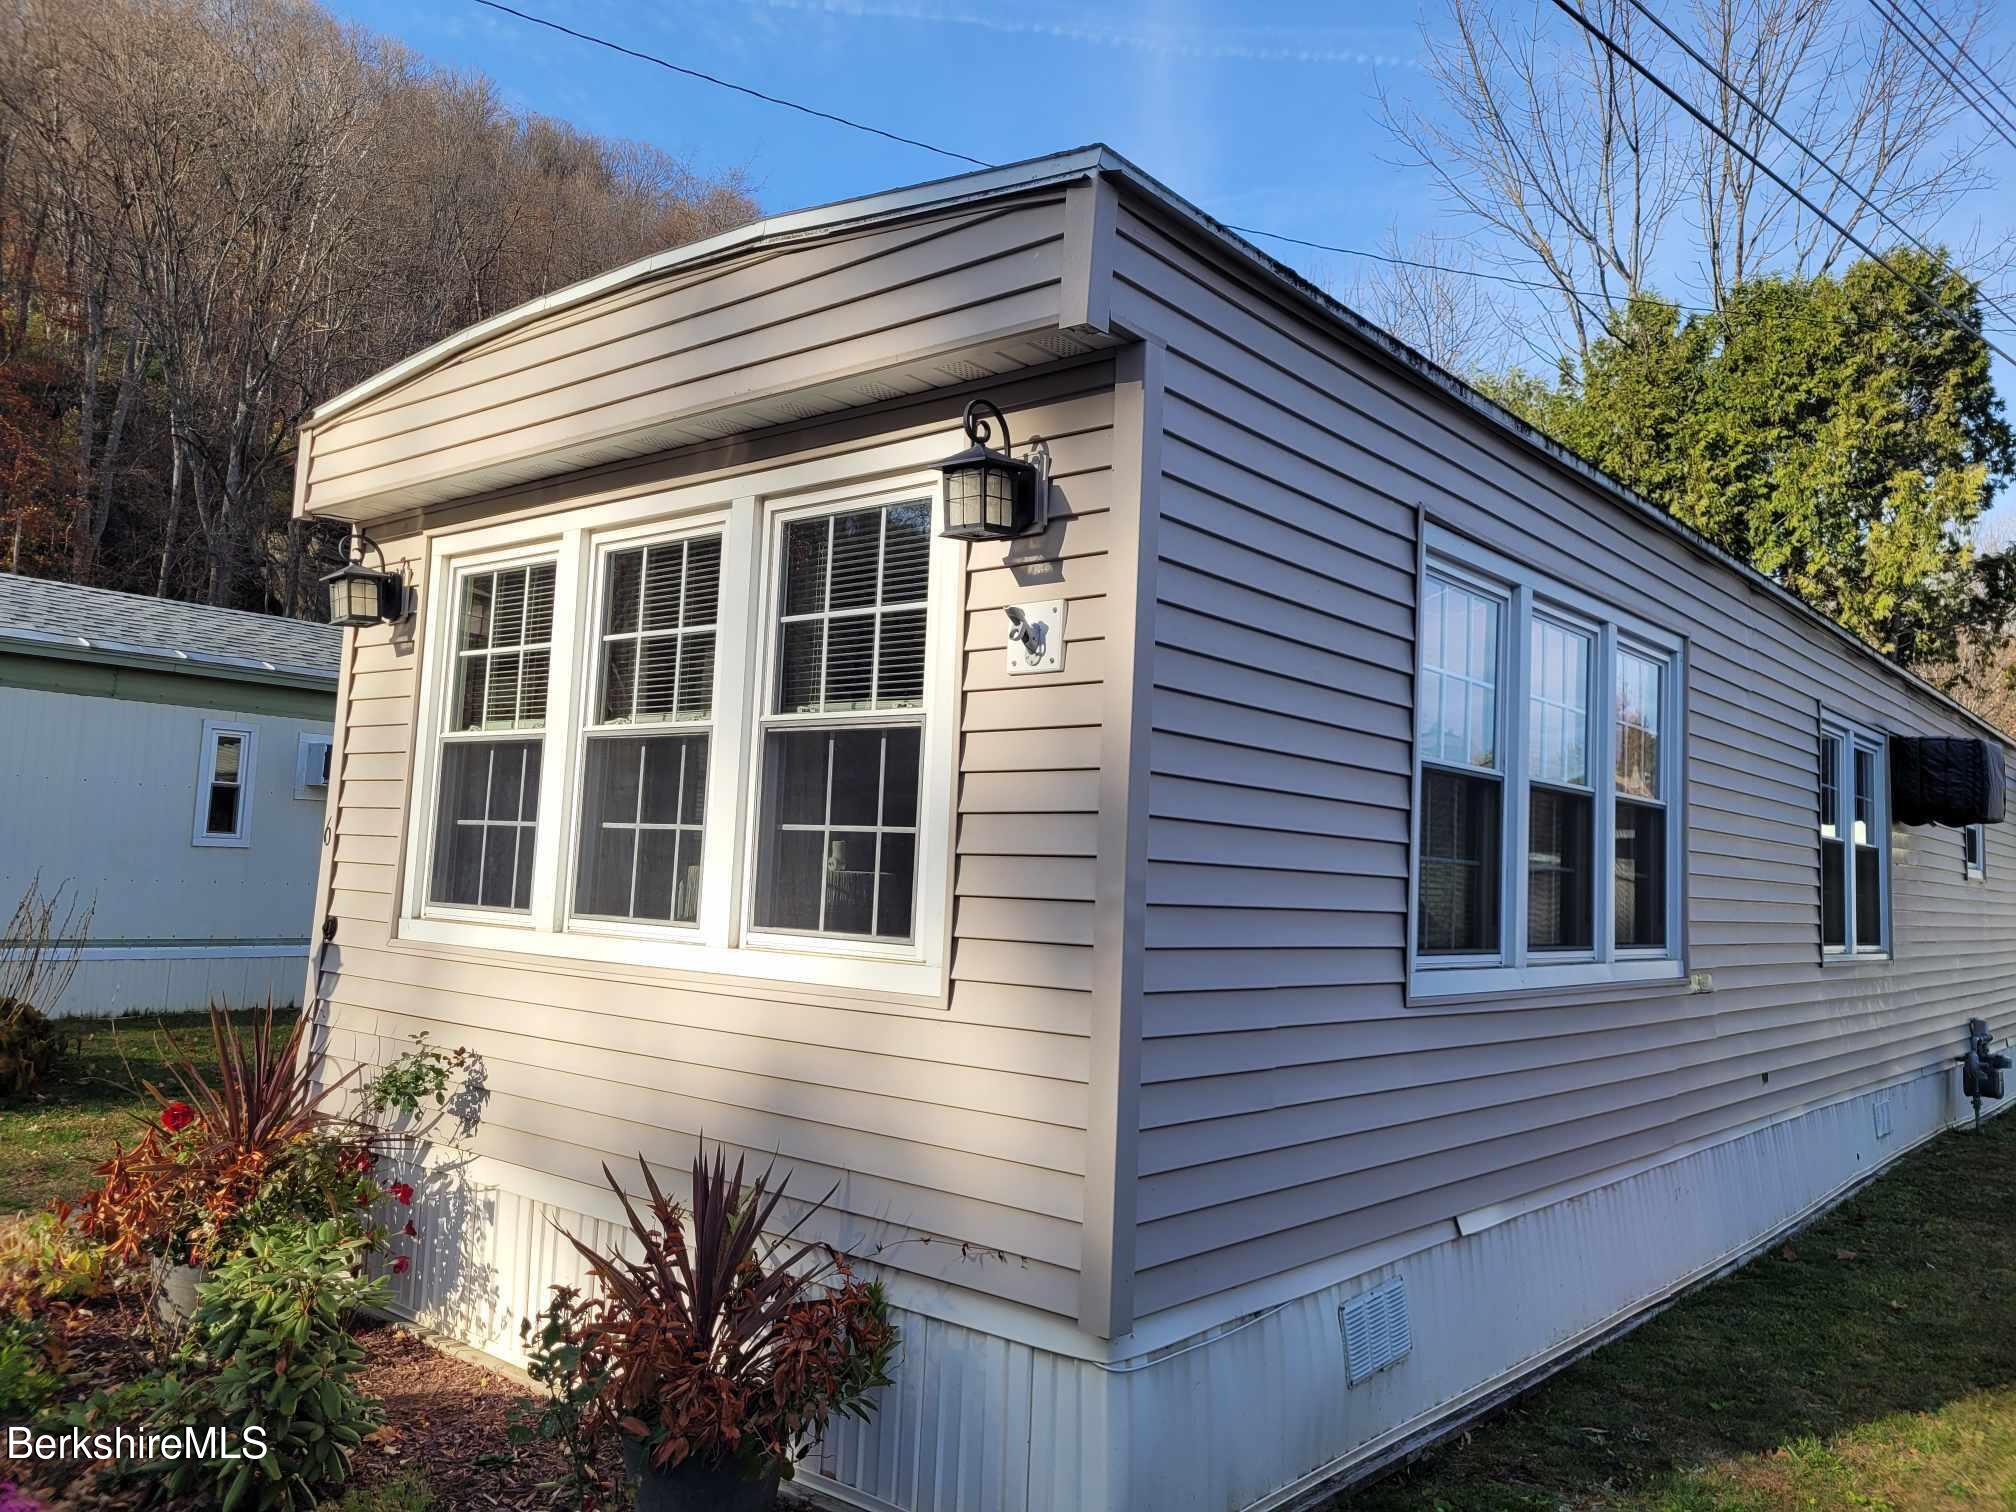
x=175, y=1291
x=693, y=1487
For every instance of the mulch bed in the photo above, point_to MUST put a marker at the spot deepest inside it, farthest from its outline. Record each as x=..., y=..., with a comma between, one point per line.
x=445, y=1418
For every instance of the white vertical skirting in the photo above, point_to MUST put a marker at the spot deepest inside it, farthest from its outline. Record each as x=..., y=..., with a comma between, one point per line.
x=1260, y=1416
x=162, y=982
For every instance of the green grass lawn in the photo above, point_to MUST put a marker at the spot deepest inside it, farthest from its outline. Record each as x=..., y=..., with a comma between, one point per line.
x=1869, y=1363
x=51, y=1140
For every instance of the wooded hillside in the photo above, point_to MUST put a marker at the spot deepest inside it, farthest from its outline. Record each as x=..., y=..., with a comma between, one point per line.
x=214, y=215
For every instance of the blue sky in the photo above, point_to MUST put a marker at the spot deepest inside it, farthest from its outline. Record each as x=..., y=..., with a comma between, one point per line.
x=1269, y=123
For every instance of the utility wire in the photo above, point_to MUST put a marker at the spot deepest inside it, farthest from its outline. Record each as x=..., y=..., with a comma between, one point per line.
x=1920, y=42
x=754, y=94
x=839, y=120
x=1545, y=285
x=1625, y=55
x=1729, y=84
x=1986, y=78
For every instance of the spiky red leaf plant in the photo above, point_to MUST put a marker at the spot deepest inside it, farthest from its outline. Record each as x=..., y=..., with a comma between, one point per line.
x=734, y=1348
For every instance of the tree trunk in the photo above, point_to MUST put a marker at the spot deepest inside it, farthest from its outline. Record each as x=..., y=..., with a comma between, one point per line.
x=174, y=502
x=130, y=374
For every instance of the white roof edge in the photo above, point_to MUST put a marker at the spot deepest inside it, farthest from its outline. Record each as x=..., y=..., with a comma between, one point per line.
x=241, y=666
x=952, y=190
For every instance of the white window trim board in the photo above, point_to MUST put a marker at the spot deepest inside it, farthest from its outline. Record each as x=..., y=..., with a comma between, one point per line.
x=746, y=511
x=1975, y=871
x=206, y=773
x=1521, y=593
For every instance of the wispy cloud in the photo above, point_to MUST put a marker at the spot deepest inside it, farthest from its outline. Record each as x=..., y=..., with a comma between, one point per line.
x=1214, y=44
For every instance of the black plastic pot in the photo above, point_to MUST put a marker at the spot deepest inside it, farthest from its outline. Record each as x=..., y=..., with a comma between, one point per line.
x=693, y=1487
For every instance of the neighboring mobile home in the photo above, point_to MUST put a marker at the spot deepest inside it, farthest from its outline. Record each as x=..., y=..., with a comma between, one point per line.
x=1433, y=909
x=167, y=764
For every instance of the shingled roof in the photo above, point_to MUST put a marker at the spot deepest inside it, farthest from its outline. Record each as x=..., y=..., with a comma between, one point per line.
x=62, y=619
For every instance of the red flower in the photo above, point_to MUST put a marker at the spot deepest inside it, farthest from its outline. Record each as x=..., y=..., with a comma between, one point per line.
x=177, y=1116
x=363, y=1160
x=403, y=1191
x=400, y=1265
x=409, y=1231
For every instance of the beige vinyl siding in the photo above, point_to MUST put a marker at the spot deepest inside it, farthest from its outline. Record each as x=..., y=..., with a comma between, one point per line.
x=778, y=335
x=1292, y=1106
x=959, y=1121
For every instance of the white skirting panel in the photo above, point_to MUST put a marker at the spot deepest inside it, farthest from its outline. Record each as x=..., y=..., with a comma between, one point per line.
x=1254, y=1413
x=1261, y=1416
x=158, y=980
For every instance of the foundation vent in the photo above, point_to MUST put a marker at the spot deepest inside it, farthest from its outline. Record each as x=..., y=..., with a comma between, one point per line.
x=1376, y=1329
x=1882, y=1110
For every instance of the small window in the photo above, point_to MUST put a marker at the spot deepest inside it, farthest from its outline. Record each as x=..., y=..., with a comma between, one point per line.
x=842, y=739
x=1974, y=844
x=311, y=767
x=1854, y=838
x=224, y=785
x=493, y=750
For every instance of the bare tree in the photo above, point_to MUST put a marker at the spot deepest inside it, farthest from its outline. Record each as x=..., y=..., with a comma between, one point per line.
x=214, y=214
x=1431, y=293
x=1581, y=165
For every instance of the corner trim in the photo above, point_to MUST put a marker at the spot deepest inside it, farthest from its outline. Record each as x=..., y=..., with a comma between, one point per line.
x=1112, y=1134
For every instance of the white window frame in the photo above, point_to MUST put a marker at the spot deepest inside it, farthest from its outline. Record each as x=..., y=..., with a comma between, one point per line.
x=748, y=513
x=312, y=757
x=1976, y=868
x=771, y=628
x=1852, y=737
x=1523, y=595
x=438, y=703
x=601, y=548
x=206, y=775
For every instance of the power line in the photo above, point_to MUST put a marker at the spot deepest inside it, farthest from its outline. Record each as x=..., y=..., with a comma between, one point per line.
x=1920, y=42
x=1777, y=178
x=754, y=94
x=839, y=120
x=1729, y=84
x=1544, y=285
x=1989, y=80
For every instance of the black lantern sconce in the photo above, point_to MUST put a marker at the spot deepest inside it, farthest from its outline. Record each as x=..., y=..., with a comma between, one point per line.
x=990, y=495
x=360, y=596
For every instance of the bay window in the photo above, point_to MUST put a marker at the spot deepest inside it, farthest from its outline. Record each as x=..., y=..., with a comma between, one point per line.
x=1854, y=840
x=695, y=731
x=1547, y=841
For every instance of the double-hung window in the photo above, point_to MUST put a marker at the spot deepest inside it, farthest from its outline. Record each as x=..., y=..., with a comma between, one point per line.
x=224, y=784
x=1854, y=841
x=1547, y=837
x=493, y=745
x=698, y=731
x=843, y=726
x=1974, y=852
x=647, y=733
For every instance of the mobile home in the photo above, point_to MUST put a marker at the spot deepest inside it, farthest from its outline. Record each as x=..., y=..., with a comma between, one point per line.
x=1386, y=908
x=166, y=765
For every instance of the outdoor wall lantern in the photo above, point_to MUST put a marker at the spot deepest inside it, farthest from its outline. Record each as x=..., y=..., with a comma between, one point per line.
x=989, y=495
x=360, y=596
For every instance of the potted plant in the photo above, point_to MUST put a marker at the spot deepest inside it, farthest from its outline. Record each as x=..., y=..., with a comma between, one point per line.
x=231, y=1156
x=719, y=1355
